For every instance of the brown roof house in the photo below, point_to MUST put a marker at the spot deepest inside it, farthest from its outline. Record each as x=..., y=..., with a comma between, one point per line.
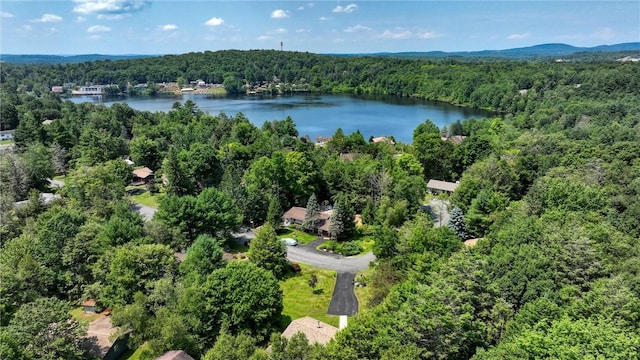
x=102, y=340
x=438, y=186
x=89, y=306
x=142, y=176
x=295, y=216
x=382, y=139
x=456, y=139
x=316, y=331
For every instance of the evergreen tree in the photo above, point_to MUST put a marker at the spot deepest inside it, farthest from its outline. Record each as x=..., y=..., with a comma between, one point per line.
x=268, y=252
x=341, y=224
x=177, y=181
x=274, y=213
x=312, y=216
x=457, y=223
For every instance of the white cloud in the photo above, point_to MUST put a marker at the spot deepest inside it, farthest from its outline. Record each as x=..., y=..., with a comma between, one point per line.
x=169, y=27
x=98, y=28
x=309, y=5
x=87, y=7
x=95, y=37
x=279, y=14
x=604, y=34
x=347, y=9
x=112, y=16
x=518, y=36
x=281, y=31
x=214, y=21
x=399, y=35
x=429, y=35
x=80, y=19
x=46, y=18
x=263, y=38
x=324, y=18
x=26, y=28
x=5, y=15
x=357, y=28
x=302, y=30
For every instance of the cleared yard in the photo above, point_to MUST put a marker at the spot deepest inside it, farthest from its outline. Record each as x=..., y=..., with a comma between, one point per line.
x=80, y=316
x=301, y=300
x=301, y=236
x=143, y=197
x=363, y=293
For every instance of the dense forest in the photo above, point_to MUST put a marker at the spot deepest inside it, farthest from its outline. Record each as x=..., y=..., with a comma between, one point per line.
x=551, y=187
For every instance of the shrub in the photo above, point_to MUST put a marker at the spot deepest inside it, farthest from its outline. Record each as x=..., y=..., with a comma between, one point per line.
x=295, y=267
x=351, y=248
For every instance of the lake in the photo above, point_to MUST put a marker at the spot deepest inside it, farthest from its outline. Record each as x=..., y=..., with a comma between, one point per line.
x=317, y=114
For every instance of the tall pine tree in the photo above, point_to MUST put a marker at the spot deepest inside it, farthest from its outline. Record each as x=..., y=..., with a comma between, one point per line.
x=312, y=215
x=341, y=224
x=457, y=223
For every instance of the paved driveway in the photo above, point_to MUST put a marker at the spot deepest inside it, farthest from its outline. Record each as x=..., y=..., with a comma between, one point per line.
x=343, y=300
x=307, y=254
x=146, y=211
x=439, y=211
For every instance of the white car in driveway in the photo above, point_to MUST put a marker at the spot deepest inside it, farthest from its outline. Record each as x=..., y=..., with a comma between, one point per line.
x=289, y=241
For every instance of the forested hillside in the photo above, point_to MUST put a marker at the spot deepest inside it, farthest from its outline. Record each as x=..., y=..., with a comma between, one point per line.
x=551, y=188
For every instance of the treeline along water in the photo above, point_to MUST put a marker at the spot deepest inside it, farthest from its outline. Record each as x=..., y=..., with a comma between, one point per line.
x=318, y=115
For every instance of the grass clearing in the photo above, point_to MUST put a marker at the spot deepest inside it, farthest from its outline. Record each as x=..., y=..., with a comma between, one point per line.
x=143, y=352
x=79, y=315
x=140, y=195
x=301, y=236
x=6, y=142
x=365, y=242
x=301, y=300
x=363, y=293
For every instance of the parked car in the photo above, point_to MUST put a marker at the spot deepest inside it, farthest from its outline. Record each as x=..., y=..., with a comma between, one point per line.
x=289, y=241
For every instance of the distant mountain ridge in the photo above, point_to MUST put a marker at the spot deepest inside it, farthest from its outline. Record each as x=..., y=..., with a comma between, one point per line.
x=542, y=50
x=65, y=59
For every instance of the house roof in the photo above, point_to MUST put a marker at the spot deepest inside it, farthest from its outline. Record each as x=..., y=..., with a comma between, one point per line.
x=316, y=331
x=89, y=302
x=382, y=139
x=442, y=185
x=296, y=212
x=348, y=156
x=142, y=173
x=175, y=355
x=456, y=139
x=471, y=242
x=97, y=341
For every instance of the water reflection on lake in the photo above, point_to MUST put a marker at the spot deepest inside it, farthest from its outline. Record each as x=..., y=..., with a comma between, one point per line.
x=317, y=115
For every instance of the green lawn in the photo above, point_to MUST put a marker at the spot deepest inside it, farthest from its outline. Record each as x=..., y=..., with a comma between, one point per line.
x=301, y=300
x=6, y=142
x=79, y=315
x=137, y=354
x=366, y=243
x=301, y=236
x=146, y=198
x=363, y=293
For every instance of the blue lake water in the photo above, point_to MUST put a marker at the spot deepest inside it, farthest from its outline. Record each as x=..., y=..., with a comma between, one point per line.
x=318, y=115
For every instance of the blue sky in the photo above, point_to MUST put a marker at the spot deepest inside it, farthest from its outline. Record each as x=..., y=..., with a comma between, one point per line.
x=175, y=27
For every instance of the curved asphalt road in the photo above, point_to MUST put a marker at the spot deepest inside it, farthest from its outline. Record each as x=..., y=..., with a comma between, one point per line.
x=343, y=300
x=307, y=254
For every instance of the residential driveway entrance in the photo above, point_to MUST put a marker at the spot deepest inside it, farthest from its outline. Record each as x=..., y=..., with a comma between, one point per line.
x=343, y=300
